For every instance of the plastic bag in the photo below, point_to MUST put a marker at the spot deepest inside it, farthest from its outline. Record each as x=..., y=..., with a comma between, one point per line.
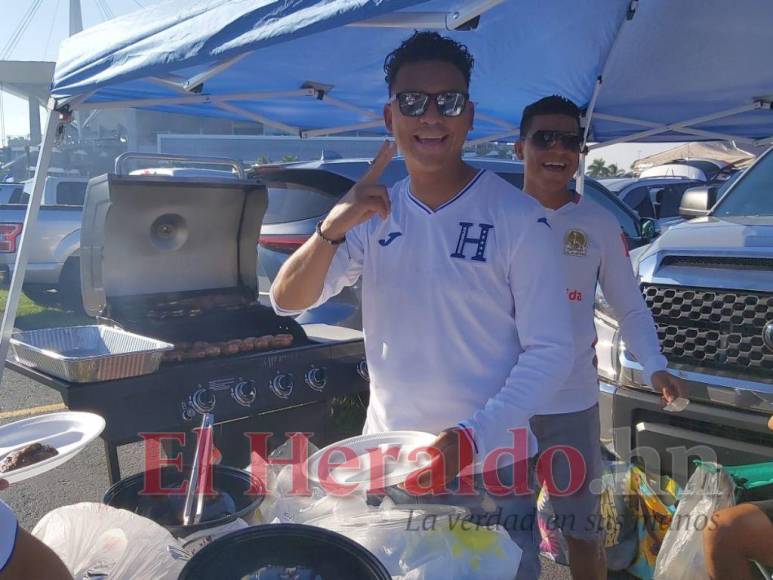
x=281, y=503
x=681, y=556
x=552, y=542
x=617, y=519
x=421, y=542
x=653, y=508
x=618, y=513
x=95, y=540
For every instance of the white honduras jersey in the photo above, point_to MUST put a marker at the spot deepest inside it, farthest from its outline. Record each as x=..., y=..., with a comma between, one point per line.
x=464, y=311
x=594, y=250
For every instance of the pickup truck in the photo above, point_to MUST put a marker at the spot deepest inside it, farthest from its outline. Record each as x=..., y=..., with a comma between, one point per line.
x=54, y=259
x=709, y=283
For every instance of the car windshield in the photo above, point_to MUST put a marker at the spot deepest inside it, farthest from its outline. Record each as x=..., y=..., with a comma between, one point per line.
x=752, y=194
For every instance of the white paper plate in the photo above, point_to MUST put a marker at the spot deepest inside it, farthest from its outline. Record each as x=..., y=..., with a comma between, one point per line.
x=68, y=432
x=358, y=470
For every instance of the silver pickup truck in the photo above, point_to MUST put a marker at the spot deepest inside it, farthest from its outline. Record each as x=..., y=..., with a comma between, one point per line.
x=54, y=259
x=709, y=283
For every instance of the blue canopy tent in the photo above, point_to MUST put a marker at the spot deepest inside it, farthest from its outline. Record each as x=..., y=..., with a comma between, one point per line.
x=658, y=70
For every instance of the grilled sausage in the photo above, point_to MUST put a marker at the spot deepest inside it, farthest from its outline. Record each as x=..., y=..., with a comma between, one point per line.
x=263, y=342
x=282, y=340
x=199, y=352
x=248, y=344
x=232, y=346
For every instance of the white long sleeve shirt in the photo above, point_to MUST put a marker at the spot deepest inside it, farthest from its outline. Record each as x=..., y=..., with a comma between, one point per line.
x=464, y=311
x=594, y=251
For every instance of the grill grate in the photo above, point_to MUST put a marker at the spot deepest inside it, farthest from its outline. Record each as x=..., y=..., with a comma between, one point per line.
x=716, y=329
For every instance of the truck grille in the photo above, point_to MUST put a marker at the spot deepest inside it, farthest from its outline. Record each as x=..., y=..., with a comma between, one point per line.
x=715, y=329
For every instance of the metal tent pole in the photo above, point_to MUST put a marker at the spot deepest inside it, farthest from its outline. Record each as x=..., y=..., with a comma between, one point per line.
x=27, y=234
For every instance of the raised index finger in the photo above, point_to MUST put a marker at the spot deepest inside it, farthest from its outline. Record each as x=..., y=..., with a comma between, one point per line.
x=379, y=163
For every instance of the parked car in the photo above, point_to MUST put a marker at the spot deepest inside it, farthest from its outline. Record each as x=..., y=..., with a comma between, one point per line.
x=300, y=194
x=57, y=191
x=10, y=191
x=709, y=283
x=699, y=169
x=653, y=197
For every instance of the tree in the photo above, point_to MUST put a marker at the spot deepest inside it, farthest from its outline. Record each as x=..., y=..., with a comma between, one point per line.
x=289, y=158
x=263, y=160
x=614, y=171
x=598, y=168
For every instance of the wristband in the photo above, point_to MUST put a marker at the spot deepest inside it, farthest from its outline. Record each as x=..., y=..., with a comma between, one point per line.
x=328, y=240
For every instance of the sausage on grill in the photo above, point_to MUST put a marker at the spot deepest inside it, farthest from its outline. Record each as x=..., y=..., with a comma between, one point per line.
x=282, y=340
x=232, y=346
x=248, y=344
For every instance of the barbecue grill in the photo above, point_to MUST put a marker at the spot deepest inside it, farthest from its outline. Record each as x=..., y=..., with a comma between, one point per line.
x=175, y=259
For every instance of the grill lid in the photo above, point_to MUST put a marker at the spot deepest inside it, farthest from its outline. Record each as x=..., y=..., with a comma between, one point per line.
x=150, y=235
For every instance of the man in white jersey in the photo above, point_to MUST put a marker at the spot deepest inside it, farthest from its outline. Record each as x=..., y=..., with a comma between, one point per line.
x=464, y=316
x=594, y=252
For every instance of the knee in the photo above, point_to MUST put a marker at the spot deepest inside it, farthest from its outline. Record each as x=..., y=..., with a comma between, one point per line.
x=723, y=531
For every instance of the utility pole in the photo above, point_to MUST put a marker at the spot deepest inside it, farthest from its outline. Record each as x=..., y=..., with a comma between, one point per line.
x=76, y=17
x=76, y=25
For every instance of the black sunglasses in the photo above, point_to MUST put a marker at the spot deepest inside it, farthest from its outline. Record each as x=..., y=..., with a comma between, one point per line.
x=549, y=139
x=415, y=103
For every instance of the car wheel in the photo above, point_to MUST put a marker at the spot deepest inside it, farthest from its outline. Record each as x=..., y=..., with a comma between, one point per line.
x=69, y=288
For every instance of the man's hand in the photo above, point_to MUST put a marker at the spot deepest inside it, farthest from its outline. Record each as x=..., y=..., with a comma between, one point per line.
x=366, y=198
x=669, y=386
x=446, y=462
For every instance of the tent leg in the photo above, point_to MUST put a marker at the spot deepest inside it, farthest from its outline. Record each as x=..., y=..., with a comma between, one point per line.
x=27, y=235
x=580, y=181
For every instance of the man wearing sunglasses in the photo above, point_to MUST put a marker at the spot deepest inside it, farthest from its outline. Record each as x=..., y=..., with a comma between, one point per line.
x=593, y=252
x=463, y=314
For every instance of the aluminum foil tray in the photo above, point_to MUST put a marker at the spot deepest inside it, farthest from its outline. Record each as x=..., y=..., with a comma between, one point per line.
x=87, y=354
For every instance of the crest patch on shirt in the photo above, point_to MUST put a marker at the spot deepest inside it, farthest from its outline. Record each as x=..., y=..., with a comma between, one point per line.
x=575, y=243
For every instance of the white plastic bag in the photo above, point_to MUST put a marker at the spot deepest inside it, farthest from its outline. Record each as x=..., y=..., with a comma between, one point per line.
x=681, y=554
x=281, y=503
x=94, y=539
x=420, y=542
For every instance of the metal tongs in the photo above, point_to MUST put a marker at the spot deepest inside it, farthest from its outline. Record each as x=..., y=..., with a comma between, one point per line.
x=194, y=498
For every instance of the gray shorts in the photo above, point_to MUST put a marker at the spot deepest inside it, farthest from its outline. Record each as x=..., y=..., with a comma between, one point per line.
x=576, y=507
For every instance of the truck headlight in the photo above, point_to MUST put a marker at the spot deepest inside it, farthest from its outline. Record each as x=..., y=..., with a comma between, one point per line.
x=607, y=340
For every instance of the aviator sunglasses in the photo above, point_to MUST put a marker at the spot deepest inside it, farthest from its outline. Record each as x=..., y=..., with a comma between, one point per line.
x=549, y=139
x=415, y=103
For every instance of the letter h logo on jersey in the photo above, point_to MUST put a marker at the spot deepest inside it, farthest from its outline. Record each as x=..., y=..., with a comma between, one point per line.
x=480, y=242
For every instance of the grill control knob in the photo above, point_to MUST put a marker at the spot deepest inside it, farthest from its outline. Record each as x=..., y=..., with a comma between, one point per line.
x=316, y=378
x=188, y=412
x=282, y=386
x=362, y=370
x=244, y=393
x=203, y=400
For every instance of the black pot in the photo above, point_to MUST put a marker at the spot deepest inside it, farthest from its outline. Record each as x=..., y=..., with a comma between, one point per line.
x=276, y=551
x=232, y=501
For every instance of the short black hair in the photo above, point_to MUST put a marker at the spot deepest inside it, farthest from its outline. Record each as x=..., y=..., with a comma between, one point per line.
x=552, y=105
x=424, y=46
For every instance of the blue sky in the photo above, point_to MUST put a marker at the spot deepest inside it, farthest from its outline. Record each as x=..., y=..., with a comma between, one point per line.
x=50, y=26
x=41, y=39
